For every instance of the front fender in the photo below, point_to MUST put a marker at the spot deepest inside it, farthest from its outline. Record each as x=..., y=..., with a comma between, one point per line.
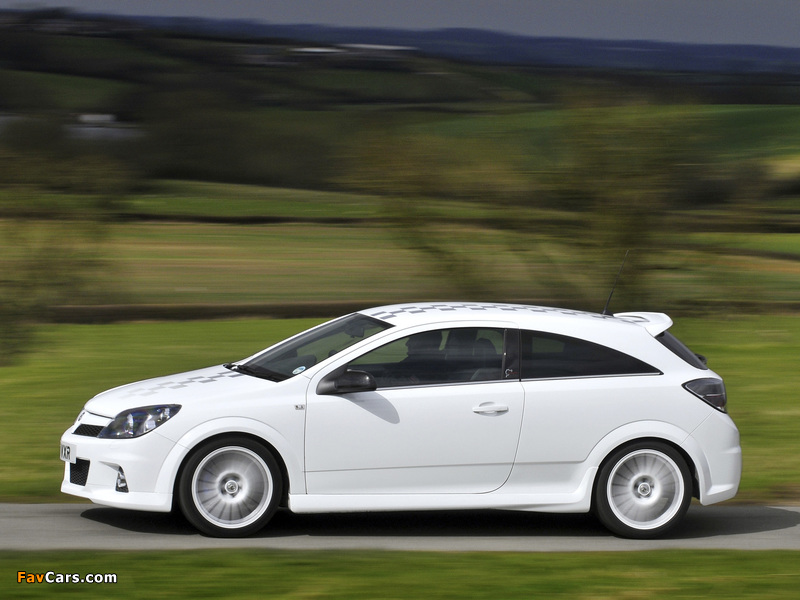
x=232, y=425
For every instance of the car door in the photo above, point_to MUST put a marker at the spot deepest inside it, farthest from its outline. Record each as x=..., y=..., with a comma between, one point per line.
x=445, y=417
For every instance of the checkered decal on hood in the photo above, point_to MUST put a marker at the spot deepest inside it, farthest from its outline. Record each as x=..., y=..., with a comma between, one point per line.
x=181, y=383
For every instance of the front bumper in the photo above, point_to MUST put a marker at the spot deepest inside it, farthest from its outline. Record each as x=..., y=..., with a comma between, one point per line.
x=93, y=474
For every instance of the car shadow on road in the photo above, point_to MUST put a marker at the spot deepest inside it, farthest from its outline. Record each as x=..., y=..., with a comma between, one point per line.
x=737, y=519
x=140, y=522
x=700, y=522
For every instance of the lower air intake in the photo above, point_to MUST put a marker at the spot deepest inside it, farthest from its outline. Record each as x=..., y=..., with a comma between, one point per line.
x=79, y=472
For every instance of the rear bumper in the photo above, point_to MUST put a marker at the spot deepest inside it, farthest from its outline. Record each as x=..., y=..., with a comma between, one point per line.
x=720, y=472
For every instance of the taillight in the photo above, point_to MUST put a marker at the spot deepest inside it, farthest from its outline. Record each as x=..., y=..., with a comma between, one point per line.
x=710, y=391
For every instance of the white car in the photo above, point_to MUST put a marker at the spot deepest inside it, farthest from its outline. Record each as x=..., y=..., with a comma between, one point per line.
x=420, y=407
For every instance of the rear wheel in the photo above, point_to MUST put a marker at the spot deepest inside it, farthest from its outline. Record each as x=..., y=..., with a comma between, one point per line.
x=643, y=490
x=230, y=487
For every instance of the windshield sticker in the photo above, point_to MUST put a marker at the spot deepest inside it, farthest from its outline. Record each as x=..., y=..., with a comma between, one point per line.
x=298, y=370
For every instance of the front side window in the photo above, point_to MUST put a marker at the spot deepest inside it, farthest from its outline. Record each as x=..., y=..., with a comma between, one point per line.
x=437, y=357
x=315, y=345
x=548, y=356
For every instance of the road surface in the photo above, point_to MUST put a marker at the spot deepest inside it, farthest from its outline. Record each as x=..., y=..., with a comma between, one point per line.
x=90, y=527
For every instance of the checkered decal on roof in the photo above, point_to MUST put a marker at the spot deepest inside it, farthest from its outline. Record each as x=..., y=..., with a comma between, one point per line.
x=182, y=383
x=478, y=307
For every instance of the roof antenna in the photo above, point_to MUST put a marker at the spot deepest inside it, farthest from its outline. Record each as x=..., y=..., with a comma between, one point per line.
x=622, y=266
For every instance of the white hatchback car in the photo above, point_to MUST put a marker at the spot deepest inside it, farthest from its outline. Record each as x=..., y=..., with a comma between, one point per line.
x=420, y=407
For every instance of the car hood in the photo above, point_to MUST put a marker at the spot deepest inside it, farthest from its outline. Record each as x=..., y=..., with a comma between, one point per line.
x=201, y=385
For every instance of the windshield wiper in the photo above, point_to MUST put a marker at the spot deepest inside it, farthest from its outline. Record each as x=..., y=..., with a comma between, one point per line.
x=259, y=372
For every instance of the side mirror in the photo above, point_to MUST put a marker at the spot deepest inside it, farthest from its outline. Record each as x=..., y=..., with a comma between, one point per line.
x=346, y=382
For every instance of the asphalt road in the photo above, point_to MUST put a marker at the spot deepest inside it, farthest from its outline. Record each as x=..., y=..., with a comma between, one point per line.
x=85, y=527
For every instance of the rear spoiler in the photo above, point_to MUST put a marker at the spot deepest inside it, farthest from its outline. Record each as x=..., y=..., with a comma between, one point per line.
x=654, y=323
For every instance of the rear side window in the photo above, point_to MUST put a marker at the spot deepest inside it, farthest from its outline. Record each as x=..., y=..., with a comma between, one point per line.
x=548, y=356
x=681, y=350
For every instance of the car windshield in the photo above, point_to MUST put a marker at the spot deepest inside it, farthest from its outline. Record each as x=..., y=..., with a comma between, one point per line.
x=297, y=354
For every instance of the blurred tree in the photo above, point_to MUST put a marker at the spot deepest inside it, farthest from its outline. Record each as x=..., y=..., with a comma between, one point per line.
x=383, y=161
x=617, y=169
x=203, y=134
x=19, y=93
x=623, y=169
x=22, y=50
x=54, y=204
x=409, y=170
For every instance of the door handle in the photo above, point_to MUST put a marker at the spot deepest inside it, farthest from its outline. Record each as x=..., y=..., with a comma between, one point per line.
x=490, y=408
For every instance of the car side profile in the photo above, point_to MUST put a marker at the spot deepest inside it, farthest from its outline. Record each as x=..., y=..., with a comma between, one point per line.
x=421, y=407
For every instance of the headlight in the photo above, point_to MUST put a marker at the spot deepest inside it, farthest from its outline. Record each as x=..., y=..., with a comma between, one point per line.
x=138, y=421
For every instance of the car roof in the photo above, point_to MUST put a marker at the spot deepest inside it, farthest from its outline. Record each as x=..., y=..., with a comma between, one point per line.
x=422, y=313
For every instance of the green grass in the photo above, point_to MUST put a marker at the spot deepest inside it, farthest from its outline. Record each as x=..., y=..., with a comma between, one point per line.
x=93, y=51
x=41, y=397
x=389, y=86
x=708, y=280
x=67, y=93
x=757, y=356
x=188, y=199
x=756, y=131
x=782, y=243
x=729, y=132
x=202, y=264
x=392, y=575
x=179, y=263
x=202, y=199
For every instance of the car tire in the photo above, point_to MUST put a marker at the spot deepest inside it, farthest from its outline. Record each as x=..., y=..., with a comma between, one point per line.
x=230, y=487
x=643, y=490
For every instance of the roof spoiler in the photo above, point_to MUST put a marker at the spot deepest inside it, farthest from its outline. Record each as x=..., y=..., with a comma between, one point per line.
x=654, y=323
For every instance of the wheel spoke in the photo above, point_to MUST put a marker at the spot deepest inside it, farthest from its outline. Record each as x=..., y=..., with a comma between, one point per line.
x=232, y=487
x=645, y=489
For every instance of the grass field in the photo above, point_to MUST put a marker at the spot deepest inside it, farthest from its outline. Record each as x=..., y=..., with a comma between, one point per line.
x=167, y=263
x=71, y=93
x=206, y=263
x=391, y=575
x=218, y=243
x=772, y=243
x=204, y=199
x=729, y=132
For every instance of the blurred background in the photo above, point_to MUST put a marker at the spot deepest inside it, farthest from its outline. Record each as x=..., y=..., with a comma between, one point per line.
x=178, y=177
x=177, y=167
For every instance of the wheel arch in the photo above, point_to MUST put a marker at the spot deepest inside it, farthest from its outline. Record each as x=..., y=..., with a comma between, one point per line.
x=283, y=502
x=652, y=431
x=643, y=440
x=288, y=458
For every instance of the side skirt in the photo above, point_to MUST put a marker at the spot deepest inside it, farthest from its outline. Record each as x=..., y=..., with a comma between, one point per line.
x=578, y=501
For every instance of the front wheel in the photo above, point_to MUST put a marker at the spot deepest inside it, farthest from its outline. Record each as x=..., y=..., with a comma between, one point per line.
x=230, y=487
x=643, y=490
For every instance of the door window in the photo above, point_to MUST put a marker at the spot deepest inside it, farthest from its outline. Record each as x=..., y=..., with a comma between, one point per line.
x=437, y=357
